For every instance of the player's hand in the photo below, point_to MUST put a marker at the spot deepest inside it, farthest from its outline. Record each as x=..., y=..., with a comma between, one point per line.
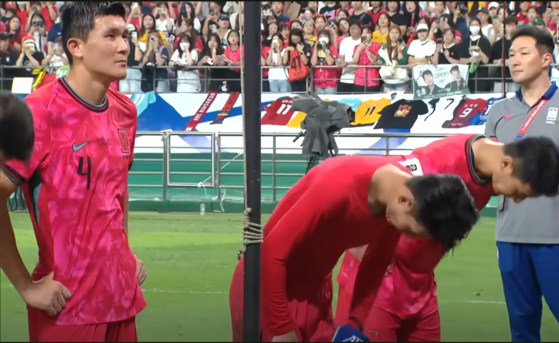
x=47, y=295
x=140, y=271
x=291, y=336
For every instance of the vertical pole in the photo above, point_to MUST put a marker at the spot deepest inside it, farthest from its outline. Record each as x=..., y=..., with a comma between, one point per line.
x=252, y=99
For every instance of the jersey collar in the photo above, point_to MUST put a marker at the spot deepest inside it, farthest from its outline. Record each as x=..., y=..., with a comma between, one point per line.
x=547, y=95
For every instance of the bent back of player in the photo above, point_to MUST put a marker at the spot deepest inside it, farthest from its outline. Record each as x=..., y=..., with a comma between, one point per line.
x=85, y=286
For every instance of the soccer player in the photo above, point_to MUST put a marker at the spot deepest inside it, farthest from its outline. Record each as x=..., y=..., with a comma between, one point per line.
x=16, y=129
x=344, y=202
x=406, y=306
x=85, y=286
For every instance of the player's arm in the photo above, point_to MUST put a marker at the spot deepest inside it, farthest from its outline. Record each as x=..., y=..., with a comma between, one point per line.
x=318, y=204
x=372, y=268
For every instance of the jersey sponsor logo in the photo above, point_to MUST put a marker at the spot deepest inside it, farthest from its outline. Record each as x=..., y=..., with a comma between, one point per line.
x=77, y=148
x=551, y=115
x=413, y=166
x=402, y=111
x=124, y=145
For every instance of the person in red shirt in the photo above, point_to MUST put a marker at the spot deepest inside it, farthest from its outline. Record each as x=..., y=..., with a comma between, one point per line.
x=324, y=53
x=405, y=308
x=341, y=203
x=49, y=13
x=16, y=129
x=376, y=10
x=86, y=284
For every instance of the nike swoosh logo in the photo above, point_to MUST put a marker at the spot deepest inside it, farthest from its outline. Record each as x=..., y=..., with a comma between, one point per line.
x=78, y=147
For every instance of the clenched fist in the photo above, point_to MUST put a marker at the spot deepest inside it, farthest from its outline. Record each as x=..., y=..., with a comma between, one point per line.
x=47, y=295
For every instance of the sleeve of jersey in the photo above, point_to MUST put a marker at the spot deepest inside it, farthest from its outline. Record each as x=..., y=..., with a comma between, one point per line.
x=20, y=171
x=369, y=277
x=133, y=135
x=317, y=205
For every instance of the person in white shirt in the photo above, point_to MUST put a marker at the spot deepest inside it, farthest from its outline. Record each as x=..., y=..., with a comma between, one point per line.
x=421, y=49
x=345, y=57
x=164, y=23
x=277, y=74
x=184, y=62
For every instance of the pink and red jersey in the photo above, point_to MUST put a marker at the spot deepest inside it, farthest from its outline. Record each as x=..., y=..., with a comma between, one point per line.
x=278, y=112
x=410, y=284
x=75, y=187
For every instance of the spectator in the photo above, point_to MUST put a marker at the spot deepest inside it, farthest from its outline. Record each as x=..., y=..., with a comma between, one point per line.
x=277, y=10
x=493, y=8
x=148, y=26
x=284, y=30
x=186, y=27
x=319, y=23
x=551, y=16
x=360, y=15
x=133, y=81
x=22, y=11
x=422, y=49
x=308, y=14
x=540, y=24
x=16, y=33
x=504, y=12
x=347, y=47
x=522, y=14
x=412, y=14
x=366, y=77
x=476, y=51
x=343, y=14
x=30, y=57
x=532, y=13
x=232, y=54
x=346, y=8
x=296, y=59
x=134, y=17
x=163, y=21
x=212, y=55
x=447, y=52
x=54, y=32
x=183, y=61
x=36, y=29
x=486, y=23
x=296, y=25
x=224, y=28
x=394, y=58
x=498, y=53
x=202, y=11
x=270, y=30
x=210, y=23
x=154, y=61
x=237, y=19
x=48, y=12
x=277, y=74
x=393, y=10
x=263, y=55
x=376, y=10
x=57, y=58
x=8, y=57
x=309, y=33
x=438, y=10
x=341, y=31
x=324, y=54
x=329, y=10
x=439, y=27
x=383, y=23
x=187, y=11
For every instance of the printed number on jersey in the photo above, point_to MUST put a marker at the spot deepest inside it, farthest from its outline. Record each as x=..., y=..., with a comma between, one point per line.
x=284, y=109
x=413, y=166
x=466, y=112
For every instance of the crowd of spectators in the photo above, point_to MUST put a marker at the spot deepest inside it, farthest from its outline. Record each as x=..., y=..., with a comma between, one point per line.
x=330, y=47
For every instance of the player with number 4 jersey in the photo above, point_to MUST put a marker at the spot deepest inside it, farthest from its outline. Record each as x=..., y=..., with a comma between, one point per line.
x=405, y=308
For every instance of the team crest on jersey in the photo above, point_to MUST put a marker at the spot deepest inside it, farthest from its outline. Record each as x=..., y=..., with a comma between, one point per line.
x=124, y=144
x=551, y=116
x=402, y=111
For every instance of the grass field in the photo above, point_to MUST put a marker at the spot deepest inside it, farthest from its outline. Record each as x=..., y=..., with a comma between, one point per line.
x=190, y=258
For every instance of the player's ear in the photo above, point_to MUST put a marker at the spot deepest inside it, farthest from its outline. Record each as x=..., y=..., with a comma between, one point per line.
x=75, y=47
x=406, y=201
x=507, y=164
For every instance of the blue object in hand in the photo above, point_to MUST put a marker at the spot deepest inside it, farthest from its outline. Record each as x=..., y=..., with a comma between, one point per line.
x=346, y=333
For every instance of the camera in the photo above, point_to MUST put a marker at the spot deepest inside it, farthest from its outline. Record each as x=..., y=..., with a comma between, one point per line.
x=37, y=23
x=463, y=9
x=363, y=39
x=439, y=40
x=320, y=45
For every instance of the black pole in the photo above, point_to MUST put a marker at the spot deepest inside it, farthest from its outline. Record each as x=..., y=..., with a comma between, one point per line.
x=252, y=97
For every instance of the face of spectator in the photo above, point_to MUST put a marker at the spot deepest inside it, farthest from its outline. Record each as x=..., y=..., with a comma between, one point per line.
x=475, y=27
x=285, y=32
x=324, y=37
x=341, y=14
x=320, y=23
x=224, y=24
x=343, y=26
x=482, y=17
x=155, y=39
x=277, y=6
x=501, y=14
x=214, y=6
x=355, y=31
x=295, y=39
x=428, y=78
x=448, y=37
x=509, y=28
x=212, y=43
x=439, y=7
x=184, y=43
x=392, y=6
x=233, y=38
x=532, y=14
x=493, y=11
x=410, y=6
x=4, y=44
x=524, y=5
x=272, y=29
x=422, y=35
x=357, y=5
x=375, y=4
x=188, y=10
x=37, y=21
x=383, y=20
x=14, y=24
x=277, y=41
x=297, y=25
x=345, y=4
x=313, y=5
x=148, y=23
x=394, y=35
x=367, y=34
x=271, y=19
x=308, y=28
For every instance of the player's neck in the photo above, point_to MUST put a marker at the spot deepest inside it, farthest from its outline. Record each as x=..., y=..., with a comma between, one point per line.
x=488, y=155
x=87, y=86
x=386, y=186
x=533, y=90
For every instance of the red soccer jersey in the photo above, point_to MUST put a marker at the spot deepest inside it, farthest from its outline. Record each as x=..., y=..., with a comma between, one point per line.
x=410, y=285
x=75, y=186
x=321, y=216
x=279, y=112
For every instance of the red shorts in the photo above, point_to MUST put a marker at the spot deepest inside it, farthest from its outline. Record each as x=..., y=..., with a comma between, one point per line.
x=382, y=326
x=342, y=306
x=43, y=329
x=311, y=312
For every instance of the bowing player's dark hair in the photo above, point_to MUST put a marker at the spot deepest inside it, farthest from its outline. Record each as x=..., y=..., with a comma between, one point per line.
x=16, y=128
x=78, y=19
x=444, y=207
x=536, y=162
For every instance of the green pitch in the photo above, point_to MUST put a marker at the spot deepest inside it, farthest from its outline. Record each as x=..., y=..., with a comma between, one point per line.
x=190, y=258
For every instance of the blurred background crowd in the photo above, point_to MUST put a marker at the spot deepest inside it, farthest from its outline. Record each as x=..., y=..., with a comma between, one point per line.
x=329, y=47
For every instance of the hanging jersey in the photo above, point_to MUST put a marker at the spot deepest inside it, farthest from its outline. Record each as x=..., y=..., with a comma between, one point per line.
x=466, y=113
x=279, y=112
x=483, y=117
x=296, y=120
x=368, y=112
x=402, y=114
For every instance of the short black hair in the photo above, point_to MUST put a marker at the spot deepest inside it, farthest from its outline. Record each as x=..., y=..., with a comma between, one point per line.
x=544, y=40
x=16, y=128
x=455, y=68
x=536, y=163
x=427, y=72
x=511, y=19
x=444, y=207
x=78, y=19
